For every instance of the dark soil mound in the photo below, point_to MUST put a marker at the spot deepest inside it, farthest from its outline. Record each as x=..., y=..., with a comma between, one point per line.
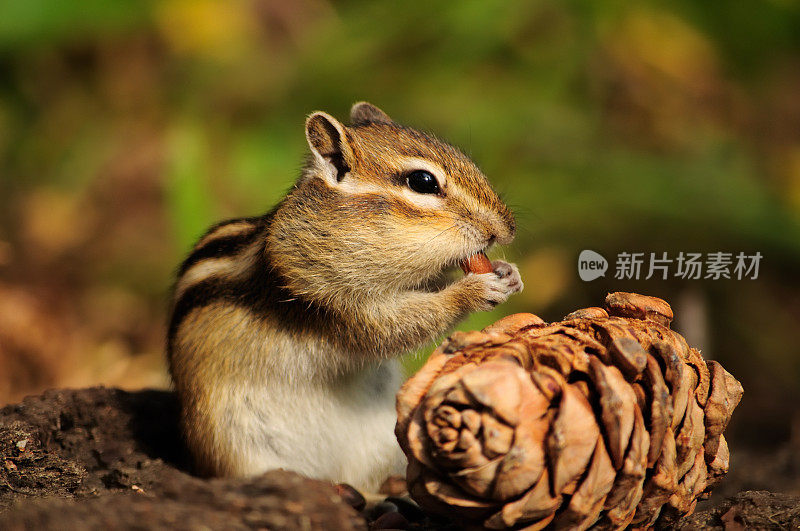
x=754, y=509
x=110, y=459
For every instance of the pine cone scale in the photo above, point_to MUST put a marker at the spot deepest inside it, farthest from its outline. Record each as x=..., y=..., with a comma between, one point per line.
x=660, y=411
x=588, y=500
x=616, y=401
x=572, y=438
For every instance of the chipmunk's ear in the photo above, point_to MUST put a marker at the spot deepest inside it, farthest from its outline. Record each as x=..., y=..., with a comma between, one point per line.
x=363, y=113
x=328, y=141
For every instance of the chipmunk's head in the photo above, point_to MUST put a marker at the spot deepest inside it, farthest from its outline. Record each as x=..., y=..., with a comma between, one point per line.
x=407, y=203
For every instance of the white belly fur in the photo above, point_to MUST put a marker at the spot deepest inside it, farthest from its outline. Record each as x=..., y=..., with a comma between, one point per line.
x=342, y=431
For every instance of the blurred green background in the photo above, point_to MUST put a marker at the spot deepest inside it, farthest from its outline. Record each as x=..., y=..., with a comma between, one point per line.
x=127, y=127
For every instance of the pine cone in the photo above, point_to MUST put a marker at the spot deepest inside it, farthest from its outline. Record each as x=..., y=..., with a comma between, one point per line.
x=607, y=417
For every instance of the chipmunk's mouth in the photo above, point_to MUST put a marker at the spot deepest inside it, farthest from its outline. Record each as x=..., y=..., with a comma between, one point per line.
x=477, y=263
x=473, y=261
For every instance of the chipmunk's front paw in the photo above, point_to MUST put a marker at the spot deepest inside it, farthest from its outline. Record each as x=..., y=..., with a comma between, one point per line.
x=495, y=288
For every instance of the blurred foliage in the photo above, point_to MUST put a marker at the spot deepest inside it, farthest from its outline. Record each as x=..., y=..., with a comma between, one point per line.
x=128, y=127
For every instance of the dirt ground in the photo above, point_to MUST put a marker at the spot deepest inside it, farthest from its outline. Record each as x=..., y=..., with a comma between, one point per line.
x=103, y=458
x=109, y=459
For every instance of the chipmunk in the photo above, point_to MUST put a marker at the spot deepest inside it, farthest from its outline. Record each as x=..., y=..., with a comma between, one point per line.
x=285, y=328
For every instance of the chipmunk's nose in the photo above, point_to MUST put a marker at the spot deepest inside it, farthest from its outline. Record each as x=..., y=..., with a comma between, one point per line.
x=512, y=228
x=504, y=230
x=503, y=237
x=497, y=227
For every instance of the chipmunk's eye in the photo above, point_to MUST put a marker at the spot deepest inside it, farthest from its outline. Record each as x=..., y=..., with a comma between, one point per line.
x=422, y=182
